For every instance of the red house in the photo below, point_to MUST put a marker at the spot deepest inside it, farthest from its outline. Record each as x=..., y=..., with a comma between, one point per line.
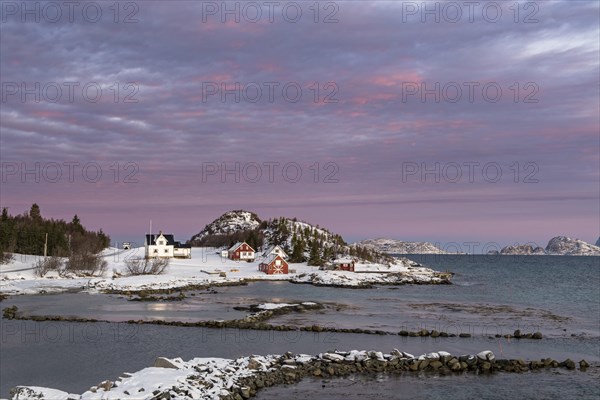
x=344, y=264
x=274, y=264
x=241, y=251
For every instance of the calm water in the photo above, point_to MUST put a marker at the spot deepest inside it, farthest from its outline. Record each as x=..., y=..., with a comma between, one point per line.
x=559, y=296
x=534, y=385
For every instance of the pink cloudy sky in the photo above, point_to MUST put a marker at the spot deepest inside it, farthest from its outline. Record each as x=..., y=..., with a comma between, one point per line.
x=361, y=143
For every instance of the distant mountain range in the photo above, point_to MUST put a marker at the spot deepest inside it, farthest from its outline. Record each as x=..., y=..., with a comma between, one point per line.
x=307, y=242
x=557, y=246
x=394, y=246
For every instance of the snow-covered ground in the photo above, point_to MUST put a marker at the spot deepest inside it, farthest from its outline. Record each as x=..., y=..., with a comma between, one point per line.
x=205, y=267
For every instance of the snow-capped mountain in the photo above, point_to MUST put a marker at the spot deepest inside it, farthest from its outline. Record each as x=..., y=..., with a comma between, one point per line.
x=523, y=249
x=598, y=242
x=228, y=223
x=557, y=246
x=562, y=245
x=393, y=246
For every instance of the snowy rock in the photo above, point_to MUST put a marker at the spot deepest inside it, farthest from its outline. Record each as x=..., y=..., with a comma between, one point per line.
x=333, y=357
x=162, y=362
x=378, y=355
x=486, y=355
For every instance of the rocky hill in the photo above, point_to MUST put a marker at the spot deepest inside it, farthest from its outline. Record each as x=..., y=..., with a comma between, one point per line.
x=562, y=245
x=598, y=242
x=523, y=249
x=559, y=245
x=302, y=241
x=226, y=225
x=393, y=246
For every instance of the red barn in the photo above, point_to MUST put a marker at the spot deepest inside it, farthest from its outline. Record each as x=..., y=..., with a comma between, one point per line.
x=241, y=251
x=274, y=264
x=344, y=264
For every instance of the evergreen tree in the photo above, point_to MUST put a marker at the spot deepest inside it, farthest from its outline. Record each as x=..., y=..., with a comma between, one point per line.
x=297, y=250
x=26, y=234
x=315, y=254
x=76, y=226
x=35, y=213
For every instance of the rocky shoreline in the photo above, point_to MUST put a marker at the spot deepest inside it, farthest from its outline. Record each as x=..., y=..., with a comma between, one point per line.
x=224, y=379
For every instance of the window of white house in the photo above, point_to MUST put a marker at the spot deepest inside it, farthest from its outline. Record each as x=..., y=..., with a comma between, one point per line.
x=166, y=250
x=161, y=242
x=155, y=251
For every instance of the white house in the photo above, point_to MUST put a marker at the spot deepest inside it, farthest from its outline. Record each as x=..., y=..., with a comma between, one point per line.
x=165, y=246
x=276, y=249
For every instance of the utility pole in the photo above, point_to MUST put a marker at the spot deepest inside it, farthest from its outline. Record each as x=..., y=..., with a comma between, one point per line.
x=46, y=246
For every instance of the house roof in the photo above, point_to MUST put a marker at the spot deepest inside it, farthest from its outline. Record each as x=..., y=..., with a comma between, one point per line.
x=343, y=261
x=238, y=244
x=272, y=248
x=271, y=258
x=150, y=239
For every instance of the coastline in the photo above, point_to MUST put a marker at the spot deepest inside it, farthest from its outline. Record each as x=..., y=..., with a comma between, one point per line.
x=204, y=270
x=242, y=378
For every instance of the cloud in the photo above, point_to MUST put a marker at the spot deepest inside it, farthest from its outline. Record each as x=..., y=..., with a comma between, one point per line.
x=353, y=111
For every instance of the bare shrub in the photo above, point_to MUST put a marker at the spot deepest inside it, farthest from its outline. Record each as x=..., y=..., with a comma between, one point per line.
x=85, y=263
x=45, y=265
x=6, y=258
x=145, y=266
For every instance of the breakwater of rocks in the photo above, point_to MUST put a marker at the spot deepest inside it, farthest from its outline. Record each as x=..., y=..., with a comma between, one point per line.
x=256, y=321
x=224, y=379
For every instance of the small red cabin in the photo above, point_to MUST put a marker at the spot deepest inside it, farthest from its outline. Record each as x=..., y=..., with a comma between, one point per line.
x=274, y=264
x=241, y=251
x=344, y=264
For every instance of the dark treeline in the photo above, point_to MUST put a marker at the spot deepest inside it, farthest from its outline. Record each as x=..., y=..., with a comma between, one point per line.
x=26, y=234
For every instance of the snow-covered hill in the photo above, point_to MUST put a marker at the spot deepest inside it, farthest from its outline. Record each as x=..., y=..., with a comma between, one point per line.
x=394, y=246
x=228, y=223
